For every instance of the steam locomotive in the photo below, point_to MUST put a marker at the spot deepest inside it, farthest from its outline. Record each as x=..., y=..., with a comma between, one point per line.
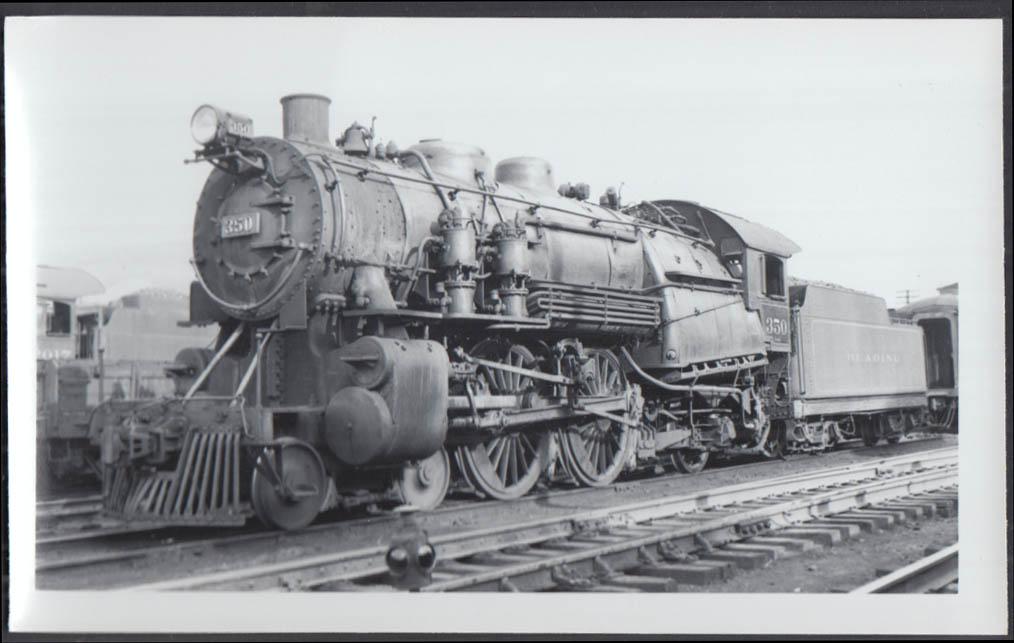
x=390, y=317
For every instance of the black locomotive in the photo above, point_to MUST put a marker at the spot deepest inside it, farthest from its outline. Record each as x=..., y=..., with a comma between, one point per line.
x=389, y=317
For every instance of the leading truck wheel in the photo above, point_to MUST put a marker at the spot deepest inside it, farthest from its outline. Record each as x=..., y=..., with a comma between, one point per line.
x=289, y=484
x=424, y=484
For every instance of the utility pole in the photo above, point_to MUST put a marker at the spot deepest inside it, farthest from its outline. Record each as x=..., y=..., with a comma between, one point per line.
x=907, y=295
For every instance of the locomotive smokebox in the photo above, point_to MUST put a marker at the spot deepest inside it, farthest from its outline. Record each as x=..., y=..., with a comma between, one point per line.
x=305, y=118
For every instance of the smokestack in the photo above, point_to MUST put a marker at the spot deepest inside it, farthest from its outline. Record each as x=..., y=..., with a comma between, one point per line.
x=305, y=118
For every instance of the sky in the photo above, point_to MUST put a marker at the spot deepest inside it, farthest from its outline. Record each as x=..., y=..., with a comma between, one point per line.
x=869, y=143
x=875, y=145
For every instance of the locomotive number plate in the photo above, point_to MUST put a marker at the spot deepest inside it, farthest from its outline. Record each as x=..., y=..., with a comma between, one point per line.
x=776, y=323
x=241, y=225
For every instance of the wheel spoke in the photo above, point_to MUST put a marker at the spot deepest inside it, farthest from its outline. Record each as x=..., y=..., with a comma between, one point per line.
x=614, y=379
x=613, y=439
x=516, y=377
x=514, y=462
x=596, y=449
x=526, y=444
x=490, y=380
x=500, y=445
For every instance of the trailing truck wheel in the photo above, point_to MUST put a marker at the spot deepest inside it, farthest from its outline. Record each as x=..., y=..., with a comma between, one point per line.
x=597, y=451
x=775, y=445
x=690, y=460
x=424, y=484
x=289, y=485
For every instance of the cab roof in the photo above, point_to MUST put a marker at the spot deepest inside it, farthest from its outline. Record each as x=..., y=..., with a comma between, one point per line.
x=53, y=282
x=756, y=236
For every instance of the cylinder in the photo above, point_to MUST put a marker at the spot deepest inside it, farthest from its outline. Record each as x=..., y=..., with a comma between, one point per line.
x=305, y=118
x=395, y=408
x=527, y=172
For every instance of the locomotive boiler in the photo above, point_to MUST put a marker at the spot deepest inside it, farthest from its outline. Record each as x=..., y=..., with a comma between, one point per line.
x=390, y=317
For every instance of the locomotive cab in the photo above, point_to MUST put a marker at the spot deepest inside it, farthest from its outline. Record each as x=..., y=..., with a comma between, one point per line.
x=759, y=256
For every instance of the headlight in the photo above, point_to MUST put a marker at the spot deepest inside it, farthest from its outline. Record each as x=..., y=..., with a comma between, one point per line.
x=213, y=125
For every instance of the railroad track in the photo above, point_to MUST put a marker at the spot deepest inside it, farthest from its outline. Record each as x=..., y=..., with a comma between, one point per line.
x=112, y=537
x=71, y=520
x=101, y=548
x=631, y=547
x=66, y=507
x=936, y=572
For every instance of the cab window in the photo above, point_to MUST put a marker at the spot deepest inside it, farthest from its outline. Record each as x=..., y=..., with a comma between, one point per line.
x=57, y=318
x=774, y=277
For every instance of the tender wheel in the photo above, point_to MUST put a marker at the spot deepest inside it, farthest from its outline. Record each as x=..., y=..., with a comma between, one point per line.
x=597, y=451
x=424, y=484
x=506, y=466
x=289, y=485
x=869, y=432
x=892, y=426
x=689, y=460
x=830, y=435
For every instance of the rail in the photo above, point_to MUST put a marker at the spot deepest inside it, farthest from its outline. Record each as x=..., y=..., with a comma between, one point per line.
x=929, y=574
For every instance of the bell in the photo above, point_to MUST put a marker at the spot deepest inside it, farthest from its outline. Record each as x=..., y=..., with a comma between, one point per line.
x=353, y=141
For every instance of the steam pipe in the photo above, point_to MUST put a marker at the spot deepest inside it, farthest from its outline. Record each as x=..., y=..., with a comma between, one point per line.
x=429, y=173
x=678, y=388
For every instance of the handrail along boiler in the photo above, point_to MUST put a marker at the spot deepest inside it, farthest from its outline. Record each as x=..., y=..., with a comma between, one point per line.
x=389, y=317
